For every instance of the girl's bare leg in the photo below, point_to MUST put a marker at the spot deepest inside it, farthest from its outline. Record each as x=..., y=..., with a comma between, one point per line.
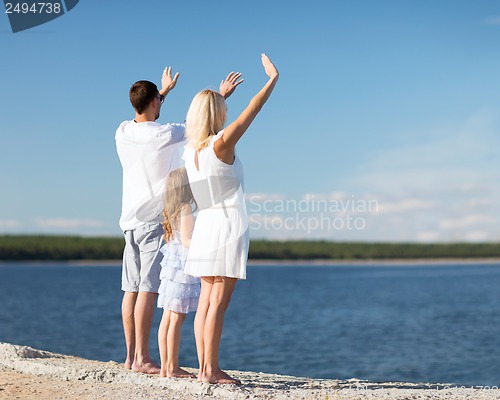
x=220, y=295
x=199, y=319
x=173, y=345
x=162, y=341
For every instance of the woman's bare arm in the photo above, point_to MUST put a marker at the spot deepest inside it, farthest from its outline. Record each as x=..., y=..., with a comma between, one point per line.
x=224, y=147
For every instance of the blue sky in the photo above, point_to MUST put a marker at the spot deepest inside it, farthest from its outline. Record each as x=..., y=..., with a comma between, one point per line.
x=386, y=115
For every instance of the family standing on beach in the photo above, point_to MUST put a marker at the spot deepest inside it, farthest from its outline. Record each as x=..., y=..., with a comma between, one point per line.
x=184, y=221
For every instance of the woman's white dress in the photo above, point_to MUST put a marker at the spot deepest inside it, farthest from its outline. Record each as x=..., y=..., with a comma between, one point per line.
x=220, y=241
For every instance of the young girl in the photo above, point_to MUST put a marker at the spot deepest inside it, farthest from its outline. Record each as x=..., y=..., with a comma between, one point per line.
x=219, y=246
x=178, y=293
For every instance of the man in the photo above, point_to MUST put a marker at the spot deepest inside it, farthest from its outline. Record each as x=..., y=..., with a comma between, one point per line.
x=148, y=151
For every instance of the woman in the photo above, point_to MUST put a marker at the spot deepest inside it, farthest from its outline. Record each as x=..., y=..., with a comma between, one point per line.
x=219, y=246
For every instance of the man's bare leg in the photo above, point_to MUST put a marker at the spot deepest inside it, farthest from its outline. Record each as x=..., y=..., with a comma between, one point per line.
x=144, y=309
x=128, y=306
x=220, y=296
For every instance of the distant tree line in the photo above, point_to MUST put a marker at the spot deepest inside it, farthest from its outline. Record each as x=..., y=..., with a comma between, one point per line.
x=24, y=248
x=308, y=250
x=60, y=248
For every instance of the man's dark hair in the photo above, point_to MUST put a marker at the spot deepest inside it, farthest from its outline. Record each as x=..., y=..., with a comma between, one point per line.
x=141, y=94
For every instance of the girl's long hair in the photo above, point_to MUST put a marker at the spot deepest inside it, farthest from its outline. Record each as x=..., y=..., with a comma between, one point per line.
x=206, y=117
x=177, y=193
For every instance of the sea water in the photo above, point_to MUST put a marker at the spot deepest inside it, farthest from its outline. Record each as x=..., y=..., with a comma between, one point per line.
x=420, y=323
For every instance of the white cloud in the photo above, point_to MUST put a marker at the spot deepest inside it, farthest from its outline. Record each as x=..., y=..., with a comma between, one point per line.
x=466, y=221
x=446, y=186
x=493, y=20
x=460, y=156
x=477, y=236
x=400, y=217
x=406, y=205
x=262, y=197
x=479, y=203
x=337, y=195
x=428, y=236
x=9, y=224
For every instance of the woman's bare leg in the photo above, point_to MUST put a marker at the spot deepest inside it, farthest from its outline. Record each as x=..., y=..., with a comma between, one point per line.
x=220, y=295
x=173, y=345
x=162, y=341
x=199, y=319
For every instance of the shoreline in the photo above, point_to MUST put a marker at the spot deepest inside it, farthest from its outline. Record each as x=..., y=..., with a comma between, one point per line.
x=28, y=373
x=291, y=262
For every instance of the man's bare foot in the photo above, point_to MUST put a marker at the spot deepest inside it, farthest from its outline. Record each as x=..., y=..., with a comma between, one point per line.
x=220, y=377
x=180, y=373
x=146, y=368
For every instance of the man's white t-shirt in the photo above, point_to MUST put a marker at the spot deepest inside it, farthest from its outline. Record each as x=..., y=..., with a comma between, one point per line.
x=148, y=152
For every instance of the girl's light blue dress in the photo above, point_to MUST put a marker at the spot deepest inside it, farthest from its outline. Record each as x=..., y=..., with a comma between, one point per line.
x=178, y=292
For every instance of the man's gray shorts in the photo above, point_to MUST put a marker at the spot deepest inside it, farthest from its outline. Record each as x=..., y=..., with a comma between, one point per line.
x=141, y=258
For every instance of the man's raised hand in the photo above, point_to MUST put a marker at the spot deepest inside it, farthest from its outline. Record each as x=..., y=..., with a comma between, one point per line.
x=167, y=83
x=228, y=85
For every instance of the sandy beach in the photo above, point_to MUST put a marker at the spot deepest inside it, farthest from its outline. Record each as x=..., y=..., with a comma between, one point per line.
x=27, y=373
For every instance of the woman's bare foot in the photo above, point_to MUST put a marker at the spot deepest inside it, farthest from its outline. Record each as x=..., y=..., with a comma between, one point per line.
x=180, y=373
x=128, y=364
x=220, y=377
x=146, y=368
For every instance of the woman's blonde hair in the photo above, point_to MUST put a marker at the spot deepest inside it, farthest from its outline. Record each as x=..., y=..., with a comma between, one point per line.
x=177, y=193
x=206, y=117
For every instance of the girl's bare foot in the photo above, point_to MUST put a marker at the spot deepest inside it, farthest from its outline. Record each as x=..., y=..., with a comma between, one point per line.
x=180, y=373
x=220, y=377
x=146, y=368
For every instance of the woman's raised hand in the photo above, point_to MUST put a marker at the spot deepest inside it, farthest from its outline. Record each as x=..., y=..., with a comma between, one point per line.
x=269, y=67
x=224, y=146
